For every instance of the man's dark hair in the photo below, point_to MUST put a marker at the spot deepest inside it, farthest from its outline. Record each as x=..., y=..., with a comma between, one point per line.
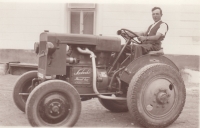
x=157, y=8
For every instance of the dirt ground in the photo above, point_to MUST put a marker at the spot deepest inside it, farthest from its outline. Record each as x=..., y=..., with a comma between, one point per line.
x=93, y=114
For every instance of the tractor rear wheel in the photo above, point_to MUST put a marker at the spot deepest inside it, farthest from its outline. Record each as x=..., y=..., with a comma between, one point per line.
x=23, y=85
x=53, y=103
x=156, y=95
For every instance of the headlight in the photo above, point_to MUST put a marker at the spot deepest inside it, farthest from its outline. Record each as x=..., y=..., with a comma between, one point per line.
x=50, y=48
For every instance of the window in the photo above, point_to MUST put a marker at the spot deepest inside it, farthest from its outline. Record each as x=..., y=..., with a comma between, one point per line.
x=82, y=20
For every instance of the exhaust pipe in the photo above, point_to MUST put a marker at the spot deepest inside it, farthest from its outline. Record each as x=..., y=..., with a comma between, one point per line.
x=93, y=56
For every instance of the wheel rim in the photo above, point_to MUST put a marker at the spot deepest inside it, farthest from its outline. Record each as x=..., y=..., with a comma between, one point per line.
x=53, y=108
x=159, y=98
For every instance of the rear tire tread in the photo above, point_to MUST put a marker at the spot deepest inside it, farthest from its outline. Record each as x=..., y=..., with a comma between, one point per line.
x=133, y=94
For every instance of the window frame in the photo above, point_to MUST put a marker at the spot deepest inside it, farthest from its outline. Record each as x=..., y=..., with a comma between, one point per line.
x=82, y=10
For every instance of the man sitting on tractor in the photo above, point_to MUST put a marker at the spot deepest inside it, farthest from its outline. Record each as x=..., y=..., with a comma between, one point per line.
x=151, y=39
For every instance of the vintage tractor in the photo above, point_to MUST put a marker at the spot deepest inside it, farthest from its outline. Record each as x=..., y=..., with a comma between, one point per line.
x=74, y=68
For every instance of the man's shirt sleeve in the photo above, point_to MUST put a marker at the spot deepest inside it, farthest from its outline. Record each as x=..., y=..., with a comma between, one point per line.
x=162, y=29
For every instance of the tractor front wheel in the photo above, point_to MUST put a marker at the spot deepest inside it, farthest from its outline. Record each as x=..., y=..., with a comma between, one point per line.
x=53, y=103
x=156, y=95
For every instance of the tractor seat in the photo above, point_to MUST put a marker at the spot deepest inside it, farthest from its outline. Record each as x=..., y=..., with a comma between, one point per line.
x=160, y=52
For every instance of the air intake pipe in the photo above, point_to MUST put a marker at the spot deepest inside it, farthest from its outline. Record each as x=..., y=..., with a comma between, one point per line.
x=93, y=56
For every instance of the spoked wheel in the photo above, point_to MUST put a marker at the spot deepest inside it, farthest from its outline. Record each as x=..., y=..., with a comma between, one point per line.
x=53, y=103
x=22, y=88
x=156, y=95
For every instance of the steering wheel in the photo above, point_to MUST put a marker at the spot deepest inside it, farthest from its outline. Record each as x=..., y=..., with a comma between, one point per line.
x=128, y=33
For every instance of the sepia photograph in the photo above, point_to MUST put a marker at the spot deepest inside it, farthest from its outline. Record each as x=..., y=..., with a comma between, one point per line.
x=114, y=63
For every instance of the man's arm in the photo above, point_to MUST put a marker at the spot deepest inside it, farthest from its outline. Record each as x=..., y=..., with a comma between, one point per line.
x=161, y=32
x=150, y=38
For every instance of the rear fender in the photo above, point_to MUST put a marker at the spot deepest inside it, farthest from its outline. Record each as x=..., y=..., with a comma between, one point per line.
x=142, y=61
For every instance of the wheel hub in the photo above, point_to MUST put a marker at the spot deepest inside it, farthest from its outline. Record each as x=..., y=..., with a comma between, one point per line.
x=159, y=97
x=54, y=108
x=162, y=97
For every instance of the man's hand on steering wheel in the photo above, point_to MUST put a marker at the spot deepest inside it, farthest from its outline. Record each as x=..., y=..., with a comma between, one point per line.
x=142, y=38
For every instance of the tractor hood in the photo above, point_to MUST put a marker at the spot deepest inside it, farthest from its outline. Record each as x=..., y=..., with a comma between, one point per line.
x=101, y=43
